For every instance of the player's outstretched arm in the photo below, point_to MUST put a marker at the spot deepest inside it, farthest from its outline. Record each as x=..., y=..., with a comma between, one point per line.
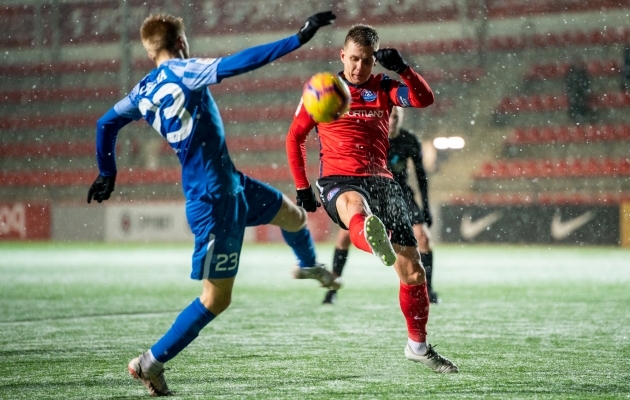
x=255, y=57
x=107, y=129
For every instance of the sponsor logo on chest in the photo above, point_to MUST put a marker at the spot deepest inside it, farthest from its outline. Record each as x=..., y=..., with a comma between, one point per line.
x=368, y=95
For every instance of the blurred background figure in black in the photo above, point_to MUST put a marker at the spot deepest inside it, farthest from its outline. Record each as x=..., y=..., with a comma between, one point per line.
x=625, y=70
x=578, y=87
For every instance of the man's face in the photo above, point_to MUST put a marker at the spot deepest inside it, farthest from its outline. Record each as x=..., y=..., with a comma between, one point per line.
x=394, y=123
x=358, y=62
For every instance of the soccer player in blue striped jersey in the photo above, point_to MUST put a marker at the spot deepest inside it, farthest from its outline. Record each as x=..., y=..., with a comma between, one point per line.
x=220, y=201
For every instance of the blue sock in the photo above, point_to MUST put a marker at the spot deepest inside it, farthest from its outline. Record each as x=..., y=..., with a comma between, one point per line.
x=184, y=330
x=302, y=244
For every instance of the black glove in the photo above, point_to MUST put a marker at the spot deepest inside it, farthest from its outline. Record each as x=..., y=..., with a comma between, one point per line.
x=307, y=200
x=313, y=23
x=391, y=60
x=102, y=188
x=428, y=219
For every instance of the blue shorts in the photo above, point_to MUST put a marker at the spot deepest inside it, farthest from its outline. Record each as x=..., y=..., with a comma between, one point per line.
x=219, y=226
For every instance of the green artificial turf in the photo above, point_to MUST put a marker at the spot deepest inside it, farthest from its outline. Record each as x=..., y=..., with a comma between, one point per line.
x=520, y=322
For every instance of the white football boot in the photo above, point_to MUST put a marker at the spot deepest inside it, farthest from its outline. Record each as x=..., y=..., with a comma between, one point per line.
x=432, y=360
x=376, y=236
x=319, y=273
x=151, y=376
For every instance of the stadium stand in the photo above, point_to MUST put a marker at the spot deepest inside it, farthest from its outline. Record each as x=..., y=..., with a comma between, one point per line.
x=50, y=108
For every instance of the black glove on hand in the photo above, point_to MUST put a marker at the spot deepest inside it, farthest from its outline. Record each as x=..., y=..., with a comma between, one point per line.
x=391, y=60
x=102, y=188
x=307, y=200
x=428, y=219
x=313, y=23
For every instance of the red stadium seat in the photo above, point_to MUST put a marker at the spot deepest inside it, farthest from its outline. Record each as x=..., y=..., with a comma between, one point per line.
x=580, y=38
x=486, y=171
x=622, y=132
x=592, y=167
x=577, y=134
x=607, y=133
x=575, y=167
x=501, y=169
x=561, y=168
x=623, y=167
x=546, y=135
x=591, y=133
x=546, y=168
x=596, y=38
x=561, y=135
x=609, y=167
x=530, y=168
x=517, y=137
x=530, y=136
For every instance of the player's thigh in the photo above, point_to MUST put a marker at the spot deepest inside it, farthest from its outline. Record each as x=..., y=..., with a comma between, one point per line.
x=349, y=204
x=335, y=192
x=388, y=204
x=408, y=266
x=219, y=227
x=263, y=201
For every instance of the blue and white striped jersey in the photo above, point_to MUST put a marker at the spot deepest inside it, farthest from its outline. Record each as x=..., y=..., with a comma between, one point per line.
x=174, y=99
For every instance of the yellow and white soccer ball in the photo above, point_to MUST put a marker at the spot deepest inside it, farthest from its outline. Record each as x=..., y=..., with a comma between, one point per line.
x=326, y=97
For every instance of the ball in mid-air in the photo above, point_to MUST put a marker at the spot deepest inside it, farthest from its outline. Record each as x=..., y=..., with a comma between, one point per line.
x=326, y=97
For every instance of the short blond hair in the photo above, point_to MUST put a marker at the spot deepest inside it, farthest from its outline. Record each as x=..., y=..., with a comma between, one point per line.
x=362, y=35
x=160, y=32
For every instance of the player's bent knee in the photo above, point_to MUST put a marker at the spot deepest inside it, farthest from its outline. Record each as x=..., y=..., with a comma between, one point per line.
x=290, y=217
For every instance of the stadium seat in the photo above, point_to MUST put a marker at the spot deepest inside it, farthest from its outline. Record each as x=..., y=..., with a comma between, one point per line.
x=609, y=167
x=502, y=169
x=545, y=168
x=561, y=168
x=622, y=132
x=517, y=136
x=575, y=167
x=592, y=167
x=487, y=170
x=623, y=167
x=529, y=136
x=530, y=168
x=546, y=135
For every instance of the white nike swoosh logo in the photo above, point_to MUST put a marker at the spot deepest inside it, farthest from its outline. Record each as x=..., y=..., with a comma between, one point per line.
x=560, y=230
x=470, y=229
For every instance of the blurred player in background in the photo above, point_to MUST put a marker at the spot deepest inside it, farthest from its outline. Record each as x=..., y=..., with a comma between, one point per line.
x=403, y=146
x=357, y=190
x=220, y=201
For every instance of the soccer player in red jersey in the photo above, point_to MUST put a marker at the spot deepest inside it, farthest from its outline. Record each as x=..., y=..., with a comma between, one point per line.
x=403, y=146
x=356, y=188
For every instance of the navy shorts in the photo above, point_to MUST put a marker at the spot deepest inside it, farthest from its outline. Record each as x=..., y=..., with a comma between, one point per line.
x=416, y=216
x=219, y=226
x=384, y=197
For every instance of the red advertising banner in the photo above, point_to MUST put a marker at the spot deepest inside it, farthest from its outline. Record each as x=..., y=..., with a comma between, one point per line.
x=25, y=221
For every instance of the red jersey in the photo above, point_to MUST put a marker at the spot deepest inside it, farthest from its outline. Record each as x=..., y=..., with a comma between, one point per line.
x=356, y=144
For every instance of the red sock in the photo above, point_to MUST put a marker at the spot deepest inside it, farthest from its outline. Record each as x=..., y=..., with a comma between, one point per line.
x=357, y=236
x=414, y=303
